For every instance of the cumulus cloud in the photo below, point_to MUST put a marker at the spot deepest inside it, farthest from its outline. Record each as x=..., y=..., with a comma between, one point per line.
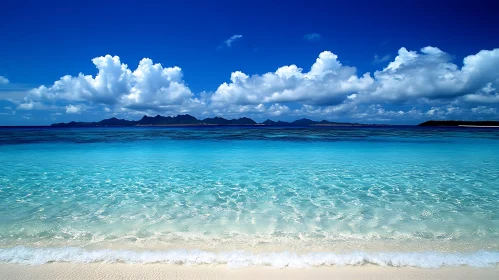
x=278, y=109
x=33, y=106
x=430, y=74
x=3, y=80
x=149, y=86
x=427, y=77
x=322, y=111
x=27, y=106
x=413, y=85
x=231, y=40
x=327, y=82
x=312, y=37
x=487, y=94
x=484, y=110
x=74, y=109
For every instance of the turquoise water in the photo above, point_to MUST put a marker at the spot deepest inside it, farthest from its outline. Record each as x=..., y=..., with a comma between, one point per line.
x=399, y=196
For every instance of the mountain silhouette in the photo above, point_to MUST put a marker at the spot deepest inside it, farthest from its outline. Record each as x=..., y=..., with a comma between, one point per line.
x=188, y=120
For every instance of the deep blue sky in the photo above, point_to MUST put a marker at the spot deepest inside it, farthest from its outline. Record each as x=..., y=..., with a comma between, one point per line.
x=41, y=41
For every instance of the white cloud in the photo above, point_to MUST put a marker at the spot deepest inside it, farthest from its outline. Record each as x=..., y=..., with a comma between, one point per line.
x=415, y=84
x=327, y=82
x=485, y=95
x=27, y=106
x=277, y=109
x=3, y=80
x=74, y=109
x=312, y=37
x=444, y=111
x=484, y=110
x=231, y=40
x=155, y=86
x=32, y=106
x=323, y=111
x=430, y=74
x=149, y=86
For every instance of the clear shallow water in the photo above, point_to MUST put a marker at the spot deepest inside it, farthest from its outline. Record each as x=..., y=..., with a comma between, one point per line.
x=389, y=196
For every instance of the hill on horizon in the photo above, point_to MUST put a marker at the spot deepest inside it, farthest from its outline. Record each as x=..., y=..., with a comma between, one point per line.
x=188, y=120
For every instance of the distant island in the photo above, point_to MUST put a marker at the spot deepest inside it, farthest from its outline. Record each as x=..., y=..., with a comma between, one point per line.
x=461, y=123
x=188, y=120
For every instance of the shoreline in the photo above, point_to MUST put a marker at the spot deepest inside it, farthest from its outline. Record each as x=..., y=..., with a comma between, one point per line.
x=241, y=259
x=481, y=126
x=164, y=271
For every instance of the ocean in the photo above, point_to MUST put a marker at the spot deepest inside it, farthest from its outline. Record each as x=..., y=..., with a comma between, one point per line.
x=244, y=196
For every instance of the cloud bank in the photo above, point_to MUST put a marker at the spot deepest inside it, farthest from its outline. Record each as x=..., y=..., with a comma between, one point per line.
x=415, y=85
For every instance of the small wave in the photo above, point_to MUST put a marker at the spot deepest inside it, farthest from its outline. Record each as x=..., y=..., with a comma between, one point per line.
x=235, y=259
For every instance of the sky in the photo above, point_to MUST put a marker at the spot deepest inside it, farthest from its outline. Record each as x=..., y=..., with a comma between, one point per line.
x=393, y=62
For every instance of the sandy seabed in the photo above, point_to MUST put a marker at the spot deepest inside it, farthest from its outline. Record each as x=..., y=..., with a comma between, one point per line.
x=163, y=271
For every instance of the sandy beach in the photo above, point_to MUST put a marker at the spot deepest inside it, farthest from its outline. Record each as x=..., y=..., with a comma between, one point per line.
x=161, y=271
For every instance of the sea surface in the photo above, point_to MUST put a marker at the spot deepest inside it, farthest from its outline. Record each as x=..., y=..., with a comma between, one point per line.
x=243, y=196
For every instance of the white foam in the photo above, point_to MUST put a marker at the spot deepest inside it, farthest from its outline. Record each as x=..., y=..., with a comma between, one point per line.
x=38, y=256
